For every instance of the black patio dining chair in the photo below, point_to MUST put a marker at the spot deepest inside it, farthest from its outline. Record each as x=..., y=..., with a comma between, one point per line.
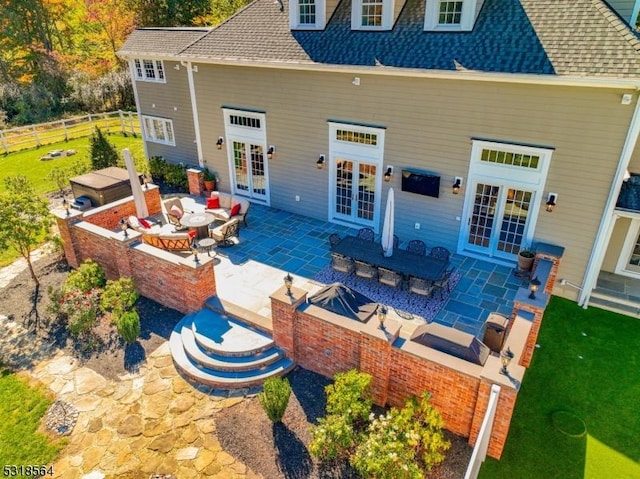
x=366, y=234
x=417, y=246
x=440, y=252
x=341, y=263
x=388, y=277
x=420, y=286
x=334, y=239
x=444, y=283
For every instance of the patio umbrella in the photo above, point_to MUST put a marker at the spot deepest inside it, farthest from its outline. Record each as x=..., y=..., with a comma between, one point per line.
x=136, y=188
x=387, y=228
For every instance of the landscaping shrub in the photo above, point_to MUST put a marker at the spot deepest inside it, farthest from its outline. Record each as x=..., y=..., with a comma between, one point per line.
x=88, y=276
x=157, y=167
x=103, y=153
x=348, y=407
x=403, y=443
x=80, y=308
x=128, y=325
x=119, y=296
x=169, y=173
x=275, y=397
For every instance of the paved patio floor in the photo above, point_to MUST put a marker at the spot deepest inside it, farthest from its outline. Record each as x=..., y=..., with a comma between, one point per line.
x=276, y=242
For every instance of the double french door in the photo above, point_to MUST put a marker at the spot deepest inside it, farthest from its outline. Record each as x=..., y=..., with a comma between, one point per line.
x=499, y=219
x=249, y=170
x=355, y=191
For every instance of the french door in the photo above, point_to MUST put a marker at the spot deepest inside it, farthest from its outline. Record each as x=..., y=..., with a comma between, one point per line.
x=355, y=191
x=249, y=170
x=499, y=219
x=629, y=260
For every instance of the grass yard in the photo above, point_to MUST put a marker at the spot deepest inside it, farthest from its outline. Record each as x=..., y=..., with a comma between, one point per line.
x=28, y=162
x=21, y=410
x=588, y=367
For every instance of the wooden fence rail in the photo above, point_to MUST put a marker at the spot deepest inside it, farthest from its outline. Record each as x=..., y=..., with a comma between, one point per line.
x=33, y=136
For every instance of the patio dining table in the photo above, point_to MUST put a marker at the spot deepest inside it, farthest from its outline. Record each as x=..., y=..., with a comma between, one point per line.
x=404, y=262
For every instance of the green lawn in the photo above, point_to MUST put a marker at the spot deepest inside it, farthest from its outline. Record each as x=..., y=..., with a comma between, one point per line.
x=588, y=364
x=21, y=409
x=28, y=162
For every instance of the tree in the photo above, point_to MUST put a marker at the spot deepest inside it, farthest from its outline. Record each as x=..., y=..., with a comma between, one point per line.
x=171, y=13
x=103, y=154
x=24, y=220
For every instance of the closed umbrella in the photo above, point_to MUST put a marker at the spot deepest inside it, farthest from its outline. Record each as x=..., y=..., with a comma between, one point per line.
x=387, y=227
x=136, y=188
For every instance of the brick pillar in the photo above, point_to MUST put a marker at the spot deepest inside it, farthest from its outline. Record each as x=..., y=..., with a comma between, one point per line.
x=501, y=420
x=552, y=253
x=65, y=227
x=283, y=317
x=152, y=198
x=375, y=355
x=198, y=282
x=522, y=302
x=122, y=252
x=195, y=178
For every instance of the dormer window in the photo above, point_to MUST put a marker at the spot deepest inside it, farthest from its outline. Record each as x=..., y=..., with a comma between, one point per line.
x=451, y=15
x=372, y=14
x=307, y=14
x=148, y=70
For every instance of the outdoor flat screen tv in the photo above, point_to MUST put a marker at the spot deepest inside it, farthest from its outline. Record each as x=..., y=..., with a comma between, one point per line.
x=421, y=183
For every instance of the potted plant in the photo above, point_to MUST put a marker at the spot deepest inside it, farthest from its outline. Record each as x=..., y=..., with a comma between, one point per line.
x=210, y=178
x=525, y=259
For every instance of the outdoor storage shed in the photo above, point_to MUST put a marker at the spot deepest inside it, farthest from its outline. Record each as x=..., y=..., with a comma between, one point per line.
x=103, y=186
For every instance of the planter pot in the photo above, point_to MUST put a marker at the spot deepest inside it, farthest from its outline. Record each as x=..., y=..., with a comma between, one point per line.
x=525, y=263
x=209, y=185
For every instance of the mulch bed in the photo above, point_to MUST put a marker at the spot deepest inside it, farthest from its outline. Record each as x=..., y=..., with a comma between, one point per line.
x=280, y=451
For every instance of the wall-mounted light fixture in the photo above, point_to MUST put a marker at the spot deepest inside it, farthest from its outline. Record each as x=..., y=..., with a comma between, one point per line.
x=505, y=358
x=457, y=184
x=320, y=162
x=533, y=287
x=219, y=142
x=271, y=151
x=388, y=174
x=551, y=201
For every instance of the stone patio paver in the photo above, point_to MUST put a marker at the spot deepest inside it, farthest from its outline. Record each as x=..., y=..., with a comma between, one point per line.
x=152, y=422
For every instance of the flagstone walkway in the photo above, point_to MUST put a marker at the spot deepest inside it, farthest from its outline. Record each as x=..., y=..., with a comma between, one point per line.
x=152, y=422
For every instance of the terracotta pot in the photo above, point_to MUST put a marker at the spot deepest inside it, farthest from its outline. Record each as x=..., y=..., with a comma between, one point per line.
x=209, y=185
x=525, y=263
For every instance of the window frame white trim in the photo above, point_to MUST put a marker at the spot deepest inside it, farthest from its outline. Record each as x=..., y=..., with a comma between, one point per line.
x=140, y=75
x=432, y=17
x=153, y=138
x=387, y=16
x=294, y=16
x=359, y=153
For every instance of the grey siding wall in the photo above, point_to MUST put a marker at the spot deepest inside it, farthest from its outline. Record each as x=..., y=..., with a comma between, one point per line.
x=623, y=7
x=429, y=124
x=171, y=100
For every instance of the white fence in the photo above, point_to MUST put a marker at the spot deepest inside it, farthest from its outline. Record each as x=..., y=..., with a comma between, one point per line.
x=480, y=449
x=33, y=136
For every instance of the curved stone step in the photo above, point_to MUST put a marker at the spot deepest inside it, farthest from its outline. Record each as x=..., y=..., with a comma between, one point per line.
x=223, y=362
x=222, y=335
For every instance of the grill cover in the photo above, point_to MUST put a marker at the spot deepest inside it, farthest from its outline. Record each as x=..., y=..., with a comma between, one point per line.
x=342, y=300
x=452, y=341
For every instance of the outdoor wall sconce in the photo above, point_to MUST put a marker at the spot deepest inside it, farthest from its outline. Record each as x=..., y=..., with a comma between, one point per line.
x=288, y=282
x=533, y=287
x=551, y=201
x=457, y=184
x=505, y=357
x=219, y=142
x=388, y=174
x=65, y=205
x=382, y=315
x=320, y=162
x=124, y=226
x=194, y=249
x=271, y=151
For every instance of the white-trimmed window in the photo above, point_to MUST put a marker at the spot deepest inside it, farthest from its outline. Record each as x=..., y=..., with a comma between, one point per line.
x=372, y=14
x=158, y=130
x=149, y=70
x=450, y=15
x=307, y=14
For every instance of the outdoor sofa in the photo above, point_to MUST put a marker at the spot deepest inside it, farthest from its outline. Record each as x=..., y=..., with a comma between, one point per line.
x=161, y=236
x=224, y=206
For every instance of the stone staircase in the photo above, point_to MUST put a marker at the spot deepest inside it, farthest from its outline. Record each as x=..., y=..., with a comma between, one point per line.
x=210, y=347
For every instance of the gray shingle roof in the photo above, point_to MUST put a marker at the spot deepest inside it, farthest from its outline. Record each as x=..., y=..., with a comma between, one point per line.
x=563, y=37
x=161, y=41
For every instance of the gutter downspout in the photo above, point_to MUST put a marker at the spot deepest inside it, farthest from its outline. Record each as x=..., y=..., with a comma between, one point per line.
x=134, y=84
x=194, y=109
x=608, y=217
